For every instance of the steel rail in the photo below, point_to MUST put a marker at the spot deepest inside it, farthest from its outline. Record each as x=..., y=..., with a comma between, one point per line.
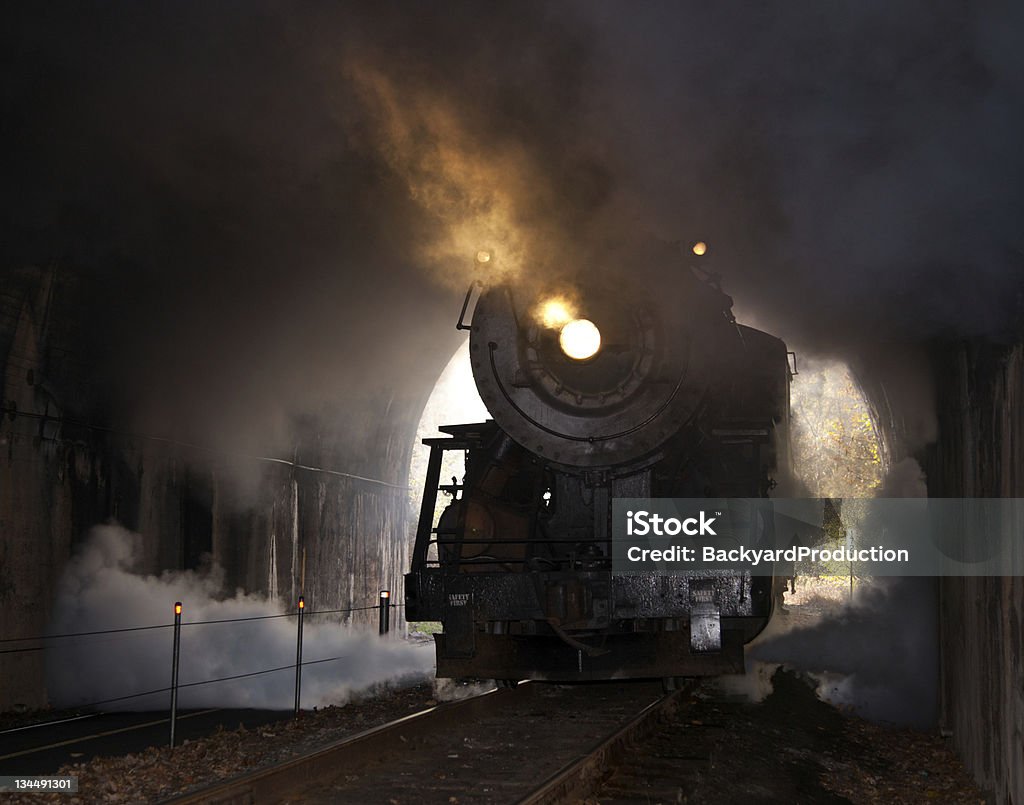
x=287, y=780
x=577, y=778
x=278, y=782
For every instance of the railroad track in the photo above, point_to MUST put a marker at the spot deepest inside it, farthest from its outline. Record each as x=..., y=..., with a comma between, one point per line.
x=586, y=772
x=535, y=743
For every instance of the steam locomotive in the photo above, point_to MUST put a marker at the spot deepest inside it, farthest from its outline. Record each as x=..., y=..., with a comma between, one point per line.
x=622, y=384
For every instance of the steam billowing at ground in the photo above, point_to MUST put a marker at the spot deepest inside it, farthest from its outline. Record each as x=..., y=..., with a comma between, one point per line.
x=877, y=655
x=100, y=591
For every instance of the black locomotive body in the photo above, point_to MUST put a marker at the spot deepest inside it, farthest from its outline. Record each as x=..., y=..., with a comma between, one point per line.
x=675, y=400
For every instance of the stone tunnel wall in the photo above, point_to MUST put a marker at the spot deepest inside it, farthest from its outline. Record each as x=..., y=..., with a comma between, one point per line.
x=275, y=528
x=980, y=453
x=346, y=538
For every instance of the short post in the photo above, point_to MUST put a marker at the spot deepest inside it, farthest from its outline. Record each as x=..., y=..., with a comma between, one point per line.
x=174, y=668
x=851, y=540
x=298, y=656
x=385, y=611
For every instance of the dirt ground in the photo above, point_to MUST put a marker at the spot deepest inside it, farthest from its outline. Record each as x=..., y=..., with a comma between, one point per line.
x=791, y=747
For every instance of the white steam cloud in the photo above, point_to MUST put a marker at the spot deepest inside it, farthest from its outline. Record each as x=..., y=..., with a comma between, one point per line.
x=99, y=591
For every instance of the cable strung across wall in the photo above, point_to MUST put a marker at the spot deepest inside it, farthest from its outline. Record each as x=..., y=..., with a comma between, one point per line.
x=10, y=410
x=170, y=625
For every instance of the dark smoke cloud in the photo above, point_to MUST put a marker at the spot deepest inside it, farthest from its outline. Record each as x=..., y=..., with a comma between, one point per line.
x=856, y=166
x=267, y=252
x=269, y=198
x=878, y=655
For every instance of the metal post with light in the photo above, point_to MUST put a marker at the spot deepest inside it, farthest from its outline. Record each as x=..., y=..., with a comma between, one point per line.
x=385, y=611
x=298, y=655
x=174, y=668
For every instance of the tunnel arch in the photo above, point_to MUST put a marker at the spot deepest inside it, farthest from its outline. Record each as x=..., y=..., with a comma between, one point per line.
x=453, y=400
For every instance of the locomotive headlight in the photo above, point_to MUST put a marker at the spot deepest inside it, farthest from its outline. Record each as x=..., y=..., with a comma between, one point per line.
x=580, y=339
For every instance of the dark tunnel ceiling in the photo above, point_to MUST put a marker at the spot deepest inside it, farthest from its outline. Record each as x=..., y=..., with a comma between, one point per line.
x=263, y=206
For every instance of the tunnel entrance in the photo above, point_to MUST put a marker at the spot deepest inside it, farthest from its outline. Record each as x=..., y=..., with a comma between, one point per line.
x=837, y=450
x=453, y=401
x=837, y=623
x=837, y=453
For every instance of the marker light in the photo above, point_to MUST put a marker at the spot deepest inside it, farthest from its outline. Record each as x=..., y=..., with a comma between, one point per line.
x=302, y=602
x=580, y=339
x=699, y=248
x=385, y=593
x=177, y=607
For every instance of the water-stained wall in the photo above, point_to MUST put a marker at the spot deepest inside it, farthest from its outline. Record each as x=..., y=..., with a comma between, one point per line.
x=329, y=520
x=980, y=453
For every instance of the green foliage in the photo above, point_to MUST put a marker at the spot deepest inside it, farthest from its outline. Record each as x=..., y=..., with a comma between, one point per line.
x=425, y=627
x=836, y=448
